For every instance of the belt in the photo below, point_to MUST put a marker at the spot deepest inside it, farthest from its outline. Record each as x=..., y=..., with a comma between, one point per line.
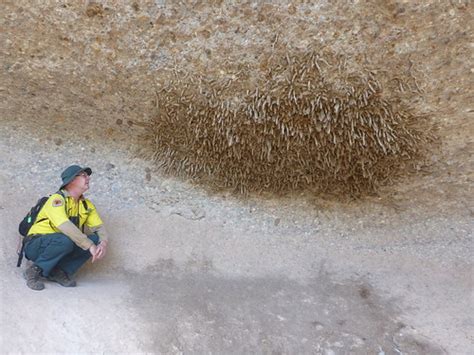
x=30, y=237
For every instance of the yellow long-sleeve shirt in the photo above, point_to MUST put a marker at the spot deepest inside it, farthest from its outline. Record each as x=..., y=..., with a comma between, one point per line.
x=56, y=215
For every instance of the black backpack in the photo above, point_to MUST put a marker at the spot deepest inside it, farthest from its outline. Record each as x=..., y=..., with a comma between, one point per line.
x=28, y=221
x=30, y=218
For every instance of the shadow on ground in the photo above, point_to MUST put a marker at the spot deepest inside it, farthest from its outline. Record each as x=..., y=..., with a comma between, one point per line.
x=200, y=313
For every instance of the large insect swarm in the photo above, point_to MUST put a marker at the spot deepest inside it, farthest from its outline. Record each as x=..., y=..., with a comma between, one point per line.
x=307, y=122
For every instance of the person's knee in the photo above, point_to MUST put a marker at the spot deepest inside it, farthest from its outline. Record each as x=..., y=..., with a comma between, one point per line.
x=64, y=242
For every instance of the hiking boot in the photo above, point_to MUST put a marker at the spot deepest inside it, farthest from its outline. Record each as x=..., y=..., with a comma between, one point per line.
x=59, y=276
x=32, y=276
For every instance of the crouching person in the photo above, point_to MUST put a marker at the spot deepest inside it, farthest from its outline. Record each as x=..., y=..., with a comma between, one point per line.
x=66, y=233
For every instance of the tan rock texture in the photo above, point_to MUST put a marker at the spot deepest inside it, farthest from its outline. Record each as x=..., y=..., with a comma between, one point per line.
x=99, y=64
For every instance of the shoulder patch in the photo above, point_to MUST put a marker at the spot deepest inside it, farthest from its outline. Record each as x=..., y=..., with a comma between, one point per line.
x=57, y=202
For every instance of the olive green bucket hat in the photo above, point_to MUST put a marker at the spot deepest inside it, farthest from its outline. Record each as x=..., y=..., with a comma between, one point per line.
x=71, y=172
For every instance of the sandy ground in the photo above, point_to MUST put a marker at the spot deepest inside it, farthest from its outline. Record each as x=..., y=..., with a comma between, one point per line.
x=190, y=272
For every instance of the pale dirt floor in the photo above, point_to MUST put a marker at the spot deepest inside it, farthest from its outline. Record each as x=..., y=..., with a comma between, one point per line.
x=190, y=272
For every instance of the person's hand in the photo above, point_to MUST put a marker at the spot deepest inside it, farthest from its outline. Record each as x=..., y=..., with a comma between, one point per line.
x=101, y=250
x=94, y=251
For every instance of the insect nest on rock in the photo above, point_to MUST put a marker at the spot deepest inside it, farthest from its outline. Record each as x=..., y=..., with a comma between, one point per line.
x=306, y=122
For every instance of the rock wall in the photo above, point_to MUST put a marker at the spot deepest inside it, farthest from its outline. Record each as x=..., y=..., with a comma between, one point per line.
x=94, y=67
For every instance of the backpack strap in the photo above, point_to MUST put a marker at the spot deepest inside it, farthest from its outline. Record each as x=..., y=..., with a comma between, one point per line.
x=21, y=252
x=60, y=192
x=84, y=203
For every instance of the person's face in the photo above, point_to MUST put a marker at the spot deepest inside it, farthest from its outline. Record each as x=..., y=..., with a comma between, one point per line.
x=81, y=181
